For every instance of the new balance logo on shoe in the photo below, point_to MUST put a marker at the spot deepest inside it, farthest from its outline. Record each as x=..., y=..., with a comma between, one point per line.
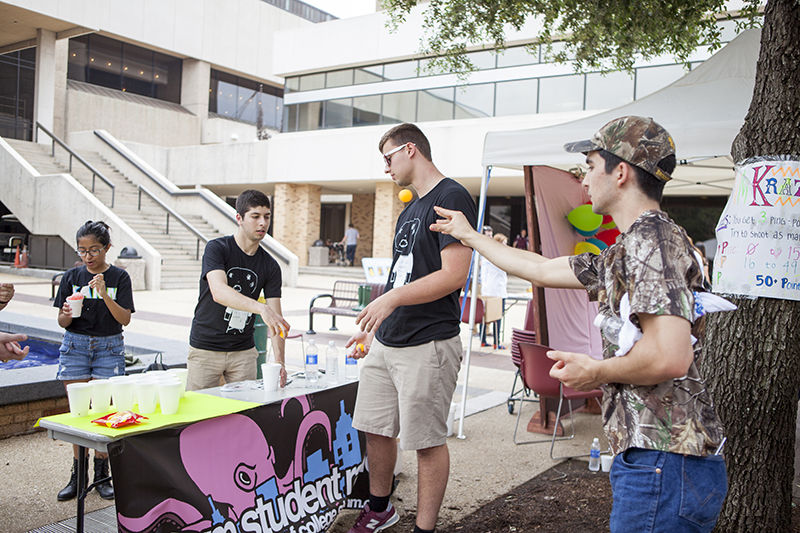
x=370, y=521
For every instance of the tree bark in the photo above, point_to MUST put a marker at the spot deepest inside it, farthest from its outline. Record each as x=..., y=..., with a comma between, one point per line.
x=752, y=356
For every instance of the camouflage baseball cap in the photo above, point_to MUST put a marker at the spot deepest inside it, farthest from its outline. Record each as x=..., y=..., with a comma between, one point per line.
x=640, y=141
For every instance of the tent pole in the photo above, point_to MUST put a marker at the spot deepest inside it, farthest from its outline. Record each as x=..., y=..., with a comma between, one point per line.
x=472, y=286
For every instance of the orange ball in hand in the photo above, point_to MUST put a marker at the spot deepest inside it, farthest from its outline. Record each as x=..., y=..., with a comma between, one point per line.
x=405, y=196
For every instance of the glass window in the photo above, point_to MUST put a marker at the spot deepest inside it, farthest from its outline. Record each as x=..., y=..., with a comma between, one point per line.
x=368, y=74
x=400, y=71
x=309, y=82
x=309, y=116
x=367, y=110
x=436, y=104
x=557, y=47
x=339, y=78
x=76, y=63
x=246, y=100
x=17, y=72
x=474, y=101
x=272, y=110
x=399, y=107
x=292, y=84
x=339, y=113
x=103, y=61
x=561, y=93
x=290, y=117
x=517, y=97
x=651, y=79
x=607, y=91
x=484, y=59
x=517, y=55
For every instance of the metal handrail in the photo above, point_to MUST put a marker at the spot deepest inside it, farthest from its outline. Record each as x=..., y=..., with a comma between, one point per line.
x=178, y=217
x=95, y=173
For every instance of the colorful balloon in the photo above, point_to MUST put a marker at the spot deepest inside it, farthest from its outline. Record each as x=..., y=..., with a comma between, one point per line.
x=583, y=247
x=608, y=236
x=597, y=242
x=583, y=219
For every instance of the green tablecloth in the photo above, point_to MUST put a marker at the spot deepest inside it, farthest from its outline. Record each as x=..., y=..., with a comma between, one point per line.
x=194, y=406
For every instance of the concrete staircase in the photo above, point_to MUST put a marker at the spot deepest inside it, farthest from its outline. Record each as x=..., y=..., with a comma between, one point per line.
x=180, y=265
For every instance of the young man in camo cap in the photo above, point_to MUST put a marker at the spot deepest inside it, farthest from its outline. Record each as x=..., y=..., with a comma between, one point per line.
x=657, y=413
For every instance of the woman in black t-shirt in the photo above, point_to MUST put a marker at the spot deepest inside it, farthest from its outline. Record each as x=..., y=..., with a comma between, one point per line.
x=93, y=345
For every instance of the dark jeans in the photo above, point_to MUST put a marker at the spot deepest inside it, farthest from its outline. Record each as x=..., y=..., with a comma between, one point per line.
x=657, y=491
x=350, y=253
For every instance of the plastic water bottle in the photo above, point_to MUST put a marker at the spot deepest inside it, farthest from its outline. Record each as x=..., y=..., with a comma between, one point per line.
x=610, y=327
x=332, y=363
x=350, y=367
x=594, y=455
x=312, y=363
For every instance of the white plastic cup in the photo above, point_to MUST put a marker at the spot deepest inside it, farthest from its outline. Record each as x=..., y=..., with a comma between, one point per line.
x=182, y=374
x=101, y=395
x=79, y=395
x=169, y=396
x=271, y=374
x=75, y=304
x=123, y=390
x=147, y=395
x=606, y=461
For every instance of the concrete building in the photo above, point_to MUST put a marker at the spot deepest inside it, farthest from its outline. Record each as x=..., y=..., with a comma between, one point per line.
x=188, y=102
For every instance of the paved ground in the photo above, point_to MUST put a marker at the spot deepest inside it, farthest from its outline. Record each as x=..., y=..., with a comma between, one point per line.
x=484, y=465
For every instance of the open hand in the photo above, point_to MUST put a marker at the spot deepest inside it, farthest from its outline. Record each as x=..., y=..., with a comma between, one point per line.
x=360, y=342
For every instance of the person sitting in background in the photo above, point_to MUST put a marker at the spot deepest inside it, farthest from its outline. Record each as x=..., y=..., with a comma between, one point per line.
x=521, y=241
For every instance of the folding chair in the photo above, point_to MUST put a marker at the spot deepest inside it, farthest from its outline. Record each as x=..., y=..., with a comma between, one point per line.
x=535, y=372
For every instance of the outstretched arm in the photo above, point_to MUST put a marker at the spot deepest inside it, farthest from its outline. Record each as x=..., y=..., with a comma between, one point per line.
x=537, y=269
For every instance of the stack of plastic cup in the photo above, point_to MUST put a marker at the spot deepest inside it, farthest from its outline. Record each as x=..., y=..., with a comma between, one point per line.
x=147, y=395
x=79, y=395
x=180, y=373
x=123, y=392
x=101, y=395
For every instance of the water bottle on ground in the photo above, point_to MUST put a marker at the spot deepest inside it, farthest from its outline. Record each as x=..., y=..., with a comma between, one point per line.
x=594, y=455
x=332, y=363
x=312, y=363
x=350, y=367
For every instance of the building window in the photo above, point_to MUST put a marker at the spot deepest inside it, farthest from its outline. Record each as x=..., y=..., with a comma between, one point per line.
x=339, y=113
x=339, y=78
x=110, y=63
x=400, y=107
x=17, y=73
x=604, y=91
x=435, y=104
x=518, y=97
x=475, y=101
x=561, y=93
x=246, y=100
x=367, y=110
x=400, y=71
x=517, y=55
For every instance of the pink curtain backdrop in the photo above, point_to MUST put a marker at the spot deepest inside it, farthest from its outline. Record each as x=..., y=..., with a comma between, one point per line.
x=569, y=312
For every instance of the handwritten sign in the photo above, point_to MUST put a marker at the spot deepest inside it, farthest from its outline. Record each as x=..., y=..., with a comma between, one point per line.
x=758, y=234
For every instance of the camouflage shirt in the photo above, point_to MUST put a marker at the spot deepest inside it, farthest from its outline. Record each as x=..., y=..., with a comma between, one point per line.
x=653, y=263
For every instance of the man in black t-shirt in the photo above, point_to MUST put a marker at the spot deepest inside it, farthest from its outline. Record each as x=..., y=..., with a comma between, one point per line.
x=234, y=273
x=410, y=337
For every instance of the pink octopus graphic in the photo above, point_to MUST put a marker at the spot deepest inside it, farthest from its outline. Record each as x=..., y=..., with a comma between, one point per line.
x=228, y=458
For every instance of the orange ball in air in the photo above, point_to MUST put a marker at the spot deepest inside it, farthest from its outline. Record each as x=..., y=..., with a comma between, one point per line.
x=405, y=196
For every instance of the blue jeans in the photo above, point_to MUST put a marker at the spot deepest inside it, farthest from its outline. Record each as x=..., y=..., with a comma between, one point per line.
x=662, y=491
x=84, y=357
x=350, y=253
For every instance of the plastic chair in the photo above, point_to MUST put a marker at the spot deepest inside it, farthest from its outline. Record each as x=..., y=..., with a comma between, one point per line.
x=535, y=372
x=478, y=310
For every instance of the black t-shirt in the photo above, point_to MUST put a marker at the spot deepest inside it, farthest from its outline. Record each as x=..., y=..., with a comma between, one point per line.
x=96, y=320
x=417, y=254
x=223, y=329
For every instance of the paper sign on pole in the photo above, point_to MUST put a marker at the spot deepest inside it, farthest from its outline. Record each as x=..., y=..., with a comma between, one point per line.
x=758, y=234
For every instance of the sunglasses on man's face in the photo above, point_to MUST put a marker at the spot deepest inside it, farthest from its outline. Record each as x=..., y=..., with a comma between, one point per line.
x=388, y=155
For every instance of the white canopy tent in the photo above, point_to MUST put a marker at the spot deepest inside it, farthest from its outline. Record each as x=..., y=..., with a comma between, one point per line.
x=703, y=111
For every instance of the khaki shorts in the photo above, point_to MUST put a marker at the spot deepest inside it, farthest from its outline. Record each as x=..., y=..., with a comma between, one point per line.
x=407, y=392
x=206, y=367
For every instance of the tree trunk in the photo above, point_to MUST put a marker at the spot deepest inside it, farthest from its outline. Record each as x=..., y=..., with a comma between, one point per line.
x=752, y=356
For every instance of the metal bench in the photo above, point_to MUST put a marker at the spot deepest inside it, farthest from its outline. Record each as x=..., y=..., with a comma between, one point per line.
x=343, y=301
